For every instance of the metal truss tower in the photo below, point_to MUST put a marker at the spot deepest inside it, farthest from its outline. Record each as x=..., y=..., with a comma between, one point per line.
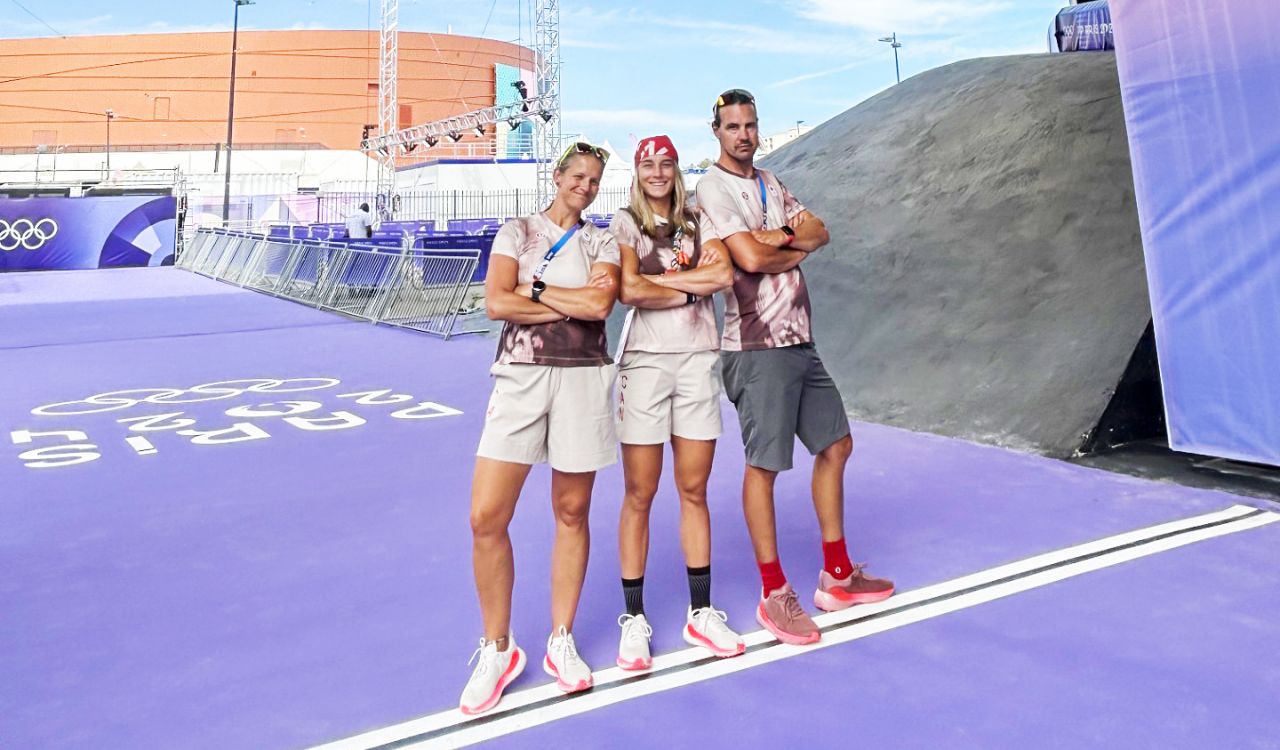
x=454, y=128
x=547, y=131
x=542, y=108
x=388, y=110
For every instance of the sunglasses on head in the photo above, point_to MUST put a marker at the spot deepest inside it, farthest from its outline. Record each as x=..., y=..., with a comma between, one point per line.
x=581, y=147
x=733, y=96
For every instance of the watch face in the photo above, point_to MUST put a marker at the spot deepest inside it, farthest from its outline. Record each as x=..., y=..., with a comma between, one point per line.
x=539, y=285
x=788, y=231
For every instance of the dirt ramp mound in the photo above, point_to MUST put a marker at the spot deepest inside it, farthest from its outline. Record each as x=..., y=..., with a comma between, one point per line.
x=985, y=277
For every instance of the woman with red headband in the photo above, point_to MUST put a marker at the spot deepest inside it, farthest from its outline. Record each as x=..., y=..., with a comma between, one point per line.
x=668, y=389
x=553, y=278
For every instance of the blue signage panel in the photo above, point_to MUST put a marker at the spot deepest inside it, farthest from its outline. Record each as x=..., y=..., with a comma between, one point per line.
x=80, y=233
x=1201, y=88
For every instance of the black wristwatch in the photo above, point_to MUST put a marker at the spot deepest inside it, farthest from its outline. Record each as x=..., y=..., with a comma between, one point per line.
x=539, y=287
x=791, y=233
x=690, y=298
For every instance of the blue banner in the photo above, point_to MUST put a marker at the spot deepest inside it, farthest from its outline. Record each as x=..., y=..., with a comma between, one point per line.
x=1201, y=89
x=1085, y=27
x=41, y=234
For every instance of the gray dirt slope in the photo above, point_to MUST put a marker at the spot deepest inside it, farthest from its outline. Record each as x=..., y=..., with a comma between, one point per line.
x=985, y=277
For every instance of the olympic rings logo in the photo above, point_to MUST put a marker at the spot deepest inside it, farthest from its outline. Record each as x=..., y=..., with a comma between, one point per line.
x=223, y=389
x=25, y=233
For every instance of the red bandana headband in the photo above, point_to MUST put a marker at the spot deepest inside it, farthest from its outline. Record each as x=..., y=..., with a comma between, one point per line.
x=658, y=145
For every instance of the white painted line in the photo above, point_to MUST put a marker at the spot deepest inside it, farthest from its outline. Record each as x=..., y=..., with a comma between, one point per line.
x=140, y=444
x=519, y=710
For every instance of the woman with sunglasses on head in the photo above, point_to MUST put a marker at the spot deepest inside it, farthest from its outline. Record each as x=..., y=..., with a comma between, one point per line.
x=668, y=389
x=553, y=278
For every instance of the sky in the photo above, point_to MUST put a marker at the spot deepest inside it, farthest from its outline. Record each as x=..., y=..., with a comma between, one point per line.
x=631, y=70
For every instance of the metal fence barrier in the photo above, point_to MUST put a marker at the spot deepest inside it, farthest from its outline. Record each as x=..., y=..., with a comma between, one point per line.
x=423, y=290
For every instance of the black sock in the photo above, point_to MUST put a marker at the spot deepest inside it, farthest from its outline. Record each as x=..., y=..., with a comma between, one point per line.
x=633, y=592
x=700, y=587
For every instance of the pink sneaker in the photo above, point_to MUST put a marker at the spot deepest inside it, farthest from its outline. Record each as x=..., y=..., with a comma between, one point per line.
x=858, y=588
x=563, y=663
x=494, y=671
x=708, y=628
x=781, y=614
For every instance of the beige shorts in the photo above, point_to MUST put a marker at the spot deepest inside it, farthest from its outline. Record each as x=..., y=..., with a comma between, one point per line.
x=660, y=395
x=557, y=415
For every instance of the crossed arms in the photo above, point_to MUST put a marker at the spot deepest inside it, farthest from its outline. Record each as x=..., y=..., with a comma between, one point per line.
x=763, y=251
x=668, y=290
x=505, y=299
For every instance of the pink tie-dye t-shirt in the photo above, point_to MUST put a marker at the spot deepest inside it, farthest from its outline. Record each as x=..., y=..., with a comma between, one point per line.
x=563, y=343
x=690, y=328
x=762, y=310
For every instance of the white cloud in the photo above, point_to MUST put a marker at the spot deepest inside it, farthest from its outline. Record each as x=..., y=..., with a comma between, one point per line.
x=918, y=15
x=638, y=119
x=816, y=74
x=740, y=38
x=585, y=43
x=26, y=27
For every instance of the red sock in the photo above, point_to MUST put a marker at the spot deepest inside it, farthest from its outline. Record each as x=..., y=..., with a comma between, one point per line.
x=771, y=576
x=835, y=559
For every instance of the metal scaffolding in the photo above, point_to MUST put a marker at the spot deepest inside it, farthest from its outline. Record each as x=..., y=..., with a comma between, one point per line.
x=547, y=135
x=388, y=67
x=454, y=128
x=543, y=108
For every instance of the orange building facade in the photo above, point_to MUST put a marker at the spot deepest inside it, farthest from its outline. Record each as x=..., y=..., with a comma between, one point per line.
x=294, y=89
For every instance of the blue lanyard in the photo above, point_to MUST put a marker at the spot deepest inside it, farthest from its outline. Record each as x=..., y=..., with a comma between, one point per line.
x=764, y=205
x=551, y=254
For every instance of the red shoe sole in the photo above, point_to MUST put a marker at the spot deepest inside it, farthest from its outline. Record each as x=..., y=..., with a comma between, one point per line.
x=639, y=665
x=565, y=687
x=694, y=638
x=832, y=603
x=513, y=671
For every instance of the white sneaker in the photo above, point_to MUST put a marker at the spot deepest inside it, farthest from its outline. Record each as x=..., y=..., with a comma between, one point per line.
x=633, y=648
x=494, y=671
x=563, y=663
x=706, y=627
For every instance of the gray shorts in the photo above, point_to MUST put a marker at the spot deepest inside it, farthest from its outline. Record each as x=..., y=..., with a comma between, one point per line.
x=782, y=394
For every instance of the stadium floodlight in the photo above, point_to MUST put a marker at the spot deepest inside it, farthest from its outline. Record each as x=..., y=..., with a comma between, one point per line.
x=458, y=127
x=231, y=110
x=892, y=41
x=523, y=90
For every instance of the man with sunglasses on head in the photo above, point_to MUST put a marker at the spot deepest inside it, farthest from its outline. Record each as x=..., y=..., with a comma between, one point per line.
x=772, y=372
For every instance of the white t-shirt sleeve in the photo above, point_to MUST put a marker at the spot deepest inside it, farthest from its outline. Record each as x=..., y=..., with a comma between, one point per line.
x=606, y=248
x=791, y=206
x=509, y=239
x=706, y=230
x=624, y=230
x=721, y=208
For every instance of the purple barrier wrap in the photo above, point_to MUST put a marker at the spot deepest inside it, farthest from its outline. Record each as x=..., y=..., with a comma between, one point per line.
x=1085, y=27
x=80, y=233
x=1201, y=88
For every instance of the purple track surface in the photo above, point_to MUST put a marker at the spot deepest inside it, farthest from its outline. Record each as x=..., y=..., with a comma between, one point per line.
x=310, y=585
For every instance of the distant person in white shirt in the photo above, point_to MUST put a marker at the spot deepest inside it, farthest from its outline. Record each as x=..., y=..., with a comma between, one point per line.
x=360, y=223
